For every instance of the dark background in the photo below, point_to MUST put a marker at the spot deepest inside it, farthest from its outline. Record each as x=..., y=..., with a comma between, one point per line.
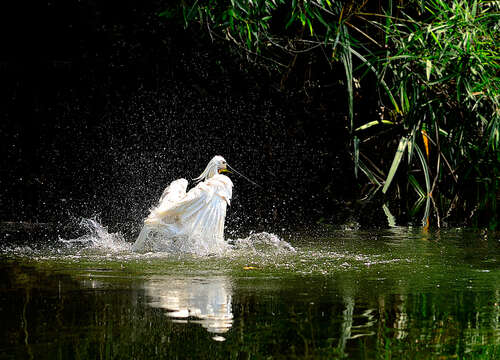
x=104, y=103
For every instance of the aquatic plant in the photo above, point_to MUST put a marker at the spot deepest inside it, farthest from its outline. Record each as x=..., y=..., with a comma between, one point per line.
x=434, y=66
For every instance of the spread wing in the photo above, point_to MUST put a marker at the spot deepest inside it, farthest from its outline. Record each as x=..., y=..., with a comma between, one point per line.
x=172, y=195
x=176, y=203
x=197, y=217
x=175, y=191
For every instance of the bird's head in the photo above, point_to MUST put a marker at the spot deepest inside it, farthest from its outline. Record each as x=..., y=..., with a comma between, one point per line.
x=217, y=165
x=220, y=163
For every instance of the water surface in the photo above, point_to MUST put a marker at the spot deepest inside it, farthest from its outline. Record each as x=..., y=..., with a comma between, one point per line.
x=396, y=294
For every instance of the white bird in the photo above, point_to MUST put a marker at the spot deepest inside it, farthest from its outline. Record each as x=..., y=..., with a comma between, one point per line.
x=191, y=222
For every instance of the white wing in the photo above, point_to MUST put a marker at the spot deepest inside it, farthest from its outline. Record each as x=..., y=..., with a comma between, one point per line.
x=197, y=216
x=172, y=195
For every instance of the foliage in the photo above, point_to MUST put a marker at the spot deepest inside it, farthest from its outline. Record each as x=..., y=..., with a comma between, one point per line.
x=443, y=74
x=435, y=65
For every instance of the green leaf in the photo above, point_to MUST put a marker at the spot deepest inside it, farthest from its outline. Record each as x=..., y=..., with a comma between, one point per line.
x=382, y=82
x=411, y=141
x=236, y=3
x=356, y=156
x=425, y=168
x=368, y=173
x=189, y=15
x=291, y=20
x=249, y=32
x=436, y=39
x=321, y=19
x=395, y=163
x=310, y=26
x=302, y=19
x=416, y=186
x=428, y=68
x=416, y=207
x=373, y=123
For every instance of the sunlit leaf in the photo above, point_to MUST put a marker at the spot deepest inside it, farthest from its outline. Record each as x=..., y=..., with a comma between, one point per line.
x=428, y=68
x=373, y=123
x=395, y=163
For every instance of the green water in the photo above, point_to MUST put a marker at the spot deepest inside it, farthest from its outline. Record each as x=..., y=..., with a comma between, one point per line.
x=391, y=294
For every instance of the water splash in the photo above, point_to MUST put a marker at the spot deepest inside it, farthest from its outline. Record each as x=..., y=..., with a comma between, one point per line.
x=158, y=238
x=97, y=236
x=262, y=243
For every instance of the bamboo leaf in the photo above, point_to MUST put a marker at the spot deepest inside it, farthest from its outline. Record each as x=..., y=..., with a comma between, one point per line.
x=427, y=212
x=428, y=68
x=395, y=163
x=382, y=82
x=356, y=156
x=302, y=19
x=411, y=142
x=347, y=61
x=310, y=26
x=368, y=173
x=416, y=207
x=373, y=123
x=436, y=39
x=425, y=168
x=321, y=19
x=425, y=219
x=416, y=186
x=291, y=20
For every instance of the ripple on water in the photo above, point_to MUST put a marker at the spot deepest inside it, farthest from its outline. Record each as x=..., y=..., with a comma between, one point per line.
x=259, y=254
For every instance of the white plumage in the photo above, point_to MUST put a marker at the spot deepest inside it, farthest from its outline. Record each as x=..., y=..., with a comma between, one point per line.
x=191, y=222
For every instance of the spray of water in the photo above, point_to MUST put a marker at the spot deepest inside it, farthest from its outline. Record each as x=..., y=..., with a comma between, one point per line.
x=97, y=237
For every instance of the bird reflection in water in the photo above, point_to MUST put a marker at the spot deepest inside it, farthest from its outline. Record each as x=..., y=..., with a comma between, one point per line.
x=205, y=301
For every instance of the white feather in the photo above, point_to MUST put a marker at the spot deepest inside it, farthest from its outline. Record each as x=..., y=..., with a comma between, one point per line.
x=189, y=222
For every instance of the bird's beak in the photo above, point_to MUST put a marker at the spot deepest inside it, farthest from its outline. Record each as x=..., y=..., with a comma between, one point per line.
x=224, y=170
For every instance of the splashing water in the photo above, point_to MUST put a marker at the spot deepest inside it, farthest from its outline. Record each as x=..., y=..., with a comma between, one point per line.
x=261, y=243
x=98, y=237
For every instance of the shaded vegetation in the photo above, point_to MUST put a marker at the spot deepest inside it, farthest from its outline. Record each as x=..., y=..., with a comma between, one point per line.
x=104, y=102
x=433, y=65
